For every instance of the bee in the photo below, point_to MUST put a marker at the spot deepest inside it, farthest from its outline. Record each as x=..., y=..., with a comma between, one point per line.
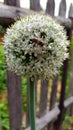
x=37, y=41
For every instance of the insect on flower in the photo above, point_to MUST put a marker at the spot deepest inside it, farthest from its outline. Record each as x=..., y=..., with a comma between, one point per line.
x=37, y=41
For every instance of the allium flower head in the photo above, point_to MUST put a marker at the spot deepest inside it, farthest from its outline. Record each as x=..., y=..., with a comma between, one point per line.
x=35, y=46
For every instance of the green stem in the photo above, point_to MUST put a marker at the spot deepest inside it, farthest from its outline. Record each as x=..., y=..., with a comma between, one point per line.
x=32, y=114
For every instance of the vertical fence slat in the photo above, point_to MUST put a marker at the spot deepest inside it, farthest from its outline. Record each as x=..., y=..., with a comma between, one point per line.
x=71, y=11
x=12, y=2
x=50, y=7
x=43, y=97
x=35, y=5
x=53, y=93
x=53, y=98
x=62, y=8
x=62, y=96
x=14, y=99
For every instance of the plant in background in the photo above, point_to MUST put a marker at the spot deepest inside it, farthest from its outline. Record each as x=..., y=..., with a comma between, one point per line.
x=2, y=70
x=1, y=30
x=35, y=47
x=4, y=116
x=68, y=123
x=24, y=93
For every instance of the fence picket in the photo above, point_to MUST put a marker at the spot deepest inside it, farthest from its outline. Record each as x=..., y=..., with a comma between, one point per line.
x=50, y=7
x=35, y=5
x=53, y=93
x=61, y=103
x=62, y=8
x=43, y=98
x=14, y=100
x=12, y=2
x=53, y=98
x=71, y=11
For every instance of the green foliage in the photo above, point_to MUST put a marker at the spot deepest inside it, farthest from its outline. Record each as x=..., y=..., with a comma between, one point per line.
x=24, y=85
x=69, y=65
x=3, y=105
x=4, y=116
x=1, y=30
x=24, y=93
x=71, y=47
x=24, y=106
x=2, y=70
x=67, y=124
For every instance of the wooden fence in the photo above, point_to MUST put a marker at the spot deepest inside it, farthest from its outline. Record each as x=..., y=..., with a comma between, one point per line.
x=49, y=112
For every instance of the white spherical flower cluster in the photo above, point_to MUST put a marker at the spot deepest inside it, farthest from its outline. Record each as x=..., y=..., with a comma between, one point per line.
x=35, y=46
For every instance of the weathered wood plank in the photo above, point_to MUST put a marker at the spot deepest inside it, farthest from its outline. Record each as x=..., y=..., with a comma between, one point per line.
x=35, y=5
x=68, y=102
x=43, y=97
x=62, y=8
x=47, y=118
x=9, y=13
x=50, y=7
x=14, y=100
x=53, y=98
x=65, y=22
x=12, y=2
x=53, y=93
x=70, y=11
x=62, y=95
